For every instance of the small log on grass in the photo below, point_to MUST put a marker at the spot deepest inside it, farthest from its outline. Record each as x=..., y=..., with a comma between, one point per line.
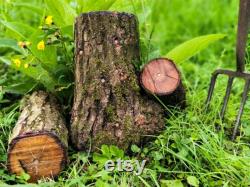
x=38, y=145
x=108, y=107
x=160, y=77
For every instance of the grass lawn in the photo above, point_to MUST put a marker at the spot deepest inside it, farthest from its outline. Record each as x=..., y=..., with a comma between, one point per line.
x=195, y=147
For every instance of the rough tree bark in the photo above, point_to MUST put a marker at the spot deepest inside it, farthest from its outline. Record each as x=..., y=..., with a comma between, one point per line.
x=38, y=145
x=108, y=107
x=161, y=77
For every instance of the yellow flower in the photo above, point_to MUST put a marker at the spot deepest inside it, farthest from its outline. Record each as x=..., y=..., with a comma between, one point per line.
x=17, y=62
x=24, y=44
x=21, y=44
x=26, y=65
x=48, y=20
x=41, y=45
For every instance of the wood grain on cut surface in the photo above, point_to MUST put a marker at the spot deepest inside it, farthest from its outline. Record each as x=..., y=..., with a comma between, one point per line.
x=39, y=141
x=40, y=156
x=160, y=77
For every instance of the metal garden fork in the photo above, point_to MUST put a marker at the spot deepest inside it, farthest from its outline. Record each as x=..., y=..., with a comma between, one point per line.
x=242, y=35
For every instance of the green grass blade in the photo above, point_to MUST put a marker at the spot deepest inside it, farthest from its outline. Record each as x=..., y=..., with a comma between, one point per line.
x=20, y=30
x=9, y=43
x=144, y=182
x=29, y=6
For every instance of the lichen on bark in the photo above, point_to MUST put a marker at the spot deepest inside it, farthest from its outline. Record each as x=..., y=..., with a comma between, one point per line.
x=108, y=107
x=40, y=113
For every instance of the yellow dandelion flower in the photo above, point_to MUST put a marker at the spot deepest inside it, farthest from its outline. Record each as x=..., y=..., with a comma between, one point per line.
x=49, y=20
x=17, y=62
x=41, y=45
x=26, y=65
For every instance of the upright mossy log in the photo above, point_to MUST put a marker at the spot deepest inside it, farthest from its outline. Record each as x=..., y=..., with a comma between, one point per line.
x=108, y=107
x=38, y=145
x=160, y=77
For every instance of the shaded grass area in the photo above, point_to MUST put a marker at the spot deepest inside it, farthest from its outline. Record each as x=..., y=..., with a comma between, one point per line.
x=196, y=144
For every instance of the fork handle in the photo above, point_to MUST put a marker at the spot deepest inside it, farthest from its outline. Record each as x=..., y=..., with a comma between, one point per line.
x=242, y=33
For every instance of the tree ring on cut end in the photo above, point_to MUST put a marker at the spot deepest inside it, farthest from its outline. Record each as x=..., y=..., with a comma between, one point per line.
x=160, y=77
x=41, y=155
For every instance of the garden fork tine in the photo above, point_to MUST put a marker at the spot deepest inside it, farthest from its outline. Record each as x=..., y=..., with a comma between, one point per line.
x=243, y=26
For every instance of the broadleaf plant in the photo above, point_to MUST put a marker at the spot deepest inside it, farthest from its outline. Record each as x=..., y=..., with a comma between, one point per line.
x=191, y=47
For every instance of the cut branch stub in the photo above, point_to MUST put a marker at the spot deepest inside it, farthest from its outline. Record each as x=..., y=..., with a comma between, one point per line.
x=161, y=77
x=108, y=107
x=38, y=145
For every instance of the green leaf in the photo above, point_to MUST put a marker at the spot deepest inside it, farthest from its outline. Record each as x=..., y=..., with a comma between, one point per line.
x=35, y=71
x=183, y=152
x=160, y=168
x=62, y=12
x=193, y=181
x=21, y=88
x=171, y=183
x=157, y=155
x=189, y=48
x=135, y=148
x=5, y=60
x=10, y=43
x=246, y=130
x=29, y=6
x=20, y=30
x=39, y=74
x=47, y=57
x=95, y=5
x=105, y=150
x=68, y=31
x=24, y=176
x=115, y=151
x=100, y=159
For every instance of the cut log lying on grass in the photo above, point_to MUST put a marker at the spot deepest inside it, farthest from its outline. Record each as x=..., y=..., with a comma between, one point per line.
x=161, y=77
x=38, y=145
x=108, y=107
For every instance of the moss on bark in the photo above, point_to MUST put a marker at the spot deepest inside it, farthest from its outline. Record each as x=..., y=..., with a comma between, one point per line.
x=108, y=107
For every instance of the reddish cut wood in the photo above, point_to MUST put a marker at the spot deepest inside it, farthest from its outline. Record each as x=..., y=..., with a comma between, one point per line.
x=160, y=77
